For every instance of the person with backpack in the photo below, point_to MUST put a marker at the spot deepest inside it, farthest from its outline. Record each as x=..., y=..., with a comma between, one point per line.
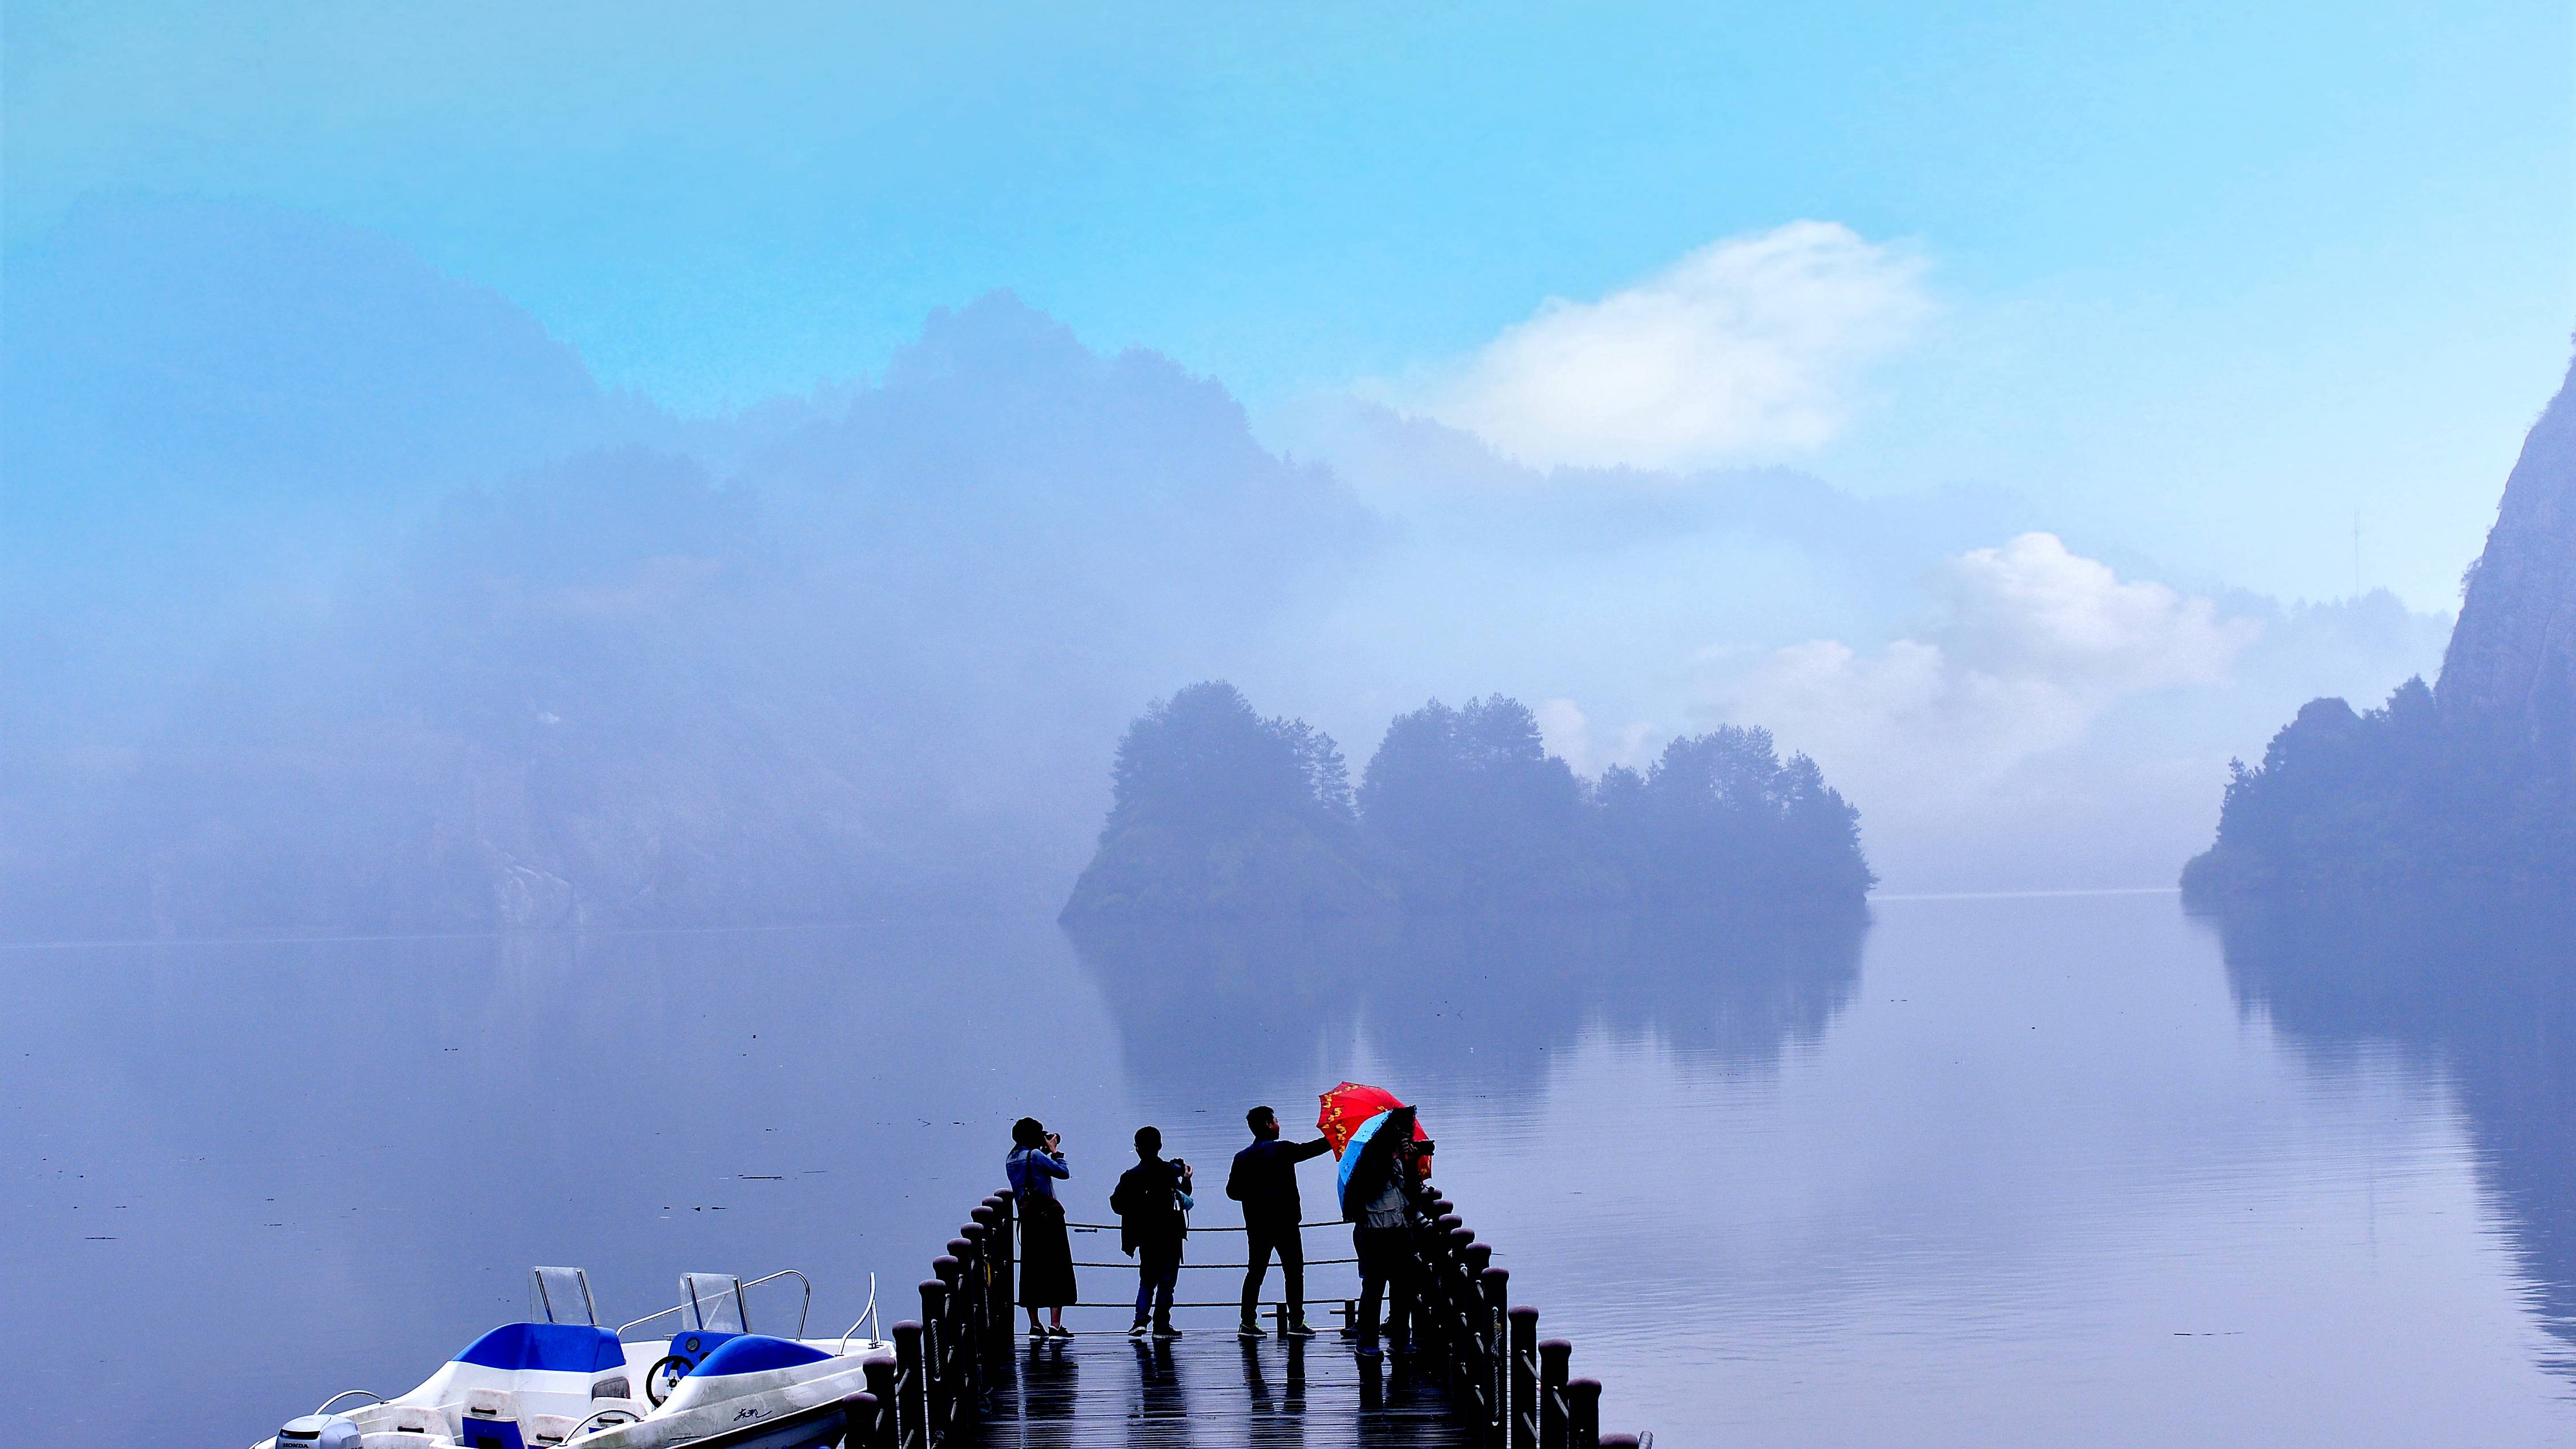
x=1153, y=1202
x=1264, y=1180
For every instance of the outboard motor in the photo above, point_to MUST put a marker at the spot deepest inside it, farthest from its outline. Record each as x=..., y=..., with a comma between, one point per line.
x=319, y=1431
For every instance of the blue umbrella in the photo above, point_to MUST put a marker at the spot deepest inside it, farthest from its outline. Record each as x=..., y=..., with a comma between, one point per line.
x=1370, y=1159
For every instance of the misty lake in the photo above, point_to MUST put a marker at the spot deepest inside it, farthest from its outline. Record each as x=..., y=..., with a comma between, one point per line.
x=1993, y=1171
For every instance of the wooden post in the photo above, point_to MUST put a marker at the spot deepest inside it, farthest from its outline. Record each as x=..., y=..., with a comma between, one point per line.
x=978, y=1284
x=1555, y=1356
x=1452, y=1238
x=1472, y=1262
x=883, y=1434
x=1495, y=1285
x=1007, y=1259
x=1467, y=1284
x=912, y=1399
x=1431, y=1293
x=858, y=1420
x=935, y=1387
x=958, y=1358
x=993, y=1251
x=1524, y=1334
x=1583, y=1413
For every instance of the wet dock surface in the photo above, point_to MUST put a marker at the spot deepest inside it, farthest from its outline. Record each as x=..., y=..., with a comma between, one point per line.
x=1211, y=1389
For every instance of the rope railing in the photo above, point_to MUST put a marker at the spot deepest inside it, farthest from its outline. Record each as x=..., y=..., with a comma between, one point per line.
x=1195, y=1228
x=1235, y=1267
x=1516, y=1389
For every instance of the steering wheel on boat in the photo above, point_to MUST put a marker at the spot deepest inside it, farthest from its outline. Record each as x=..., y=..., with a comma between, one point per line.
x=654, y=1389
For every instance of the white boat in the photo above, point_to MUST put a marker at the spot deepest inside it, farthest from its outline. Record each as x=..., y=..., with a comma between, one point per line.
x=561, y=1378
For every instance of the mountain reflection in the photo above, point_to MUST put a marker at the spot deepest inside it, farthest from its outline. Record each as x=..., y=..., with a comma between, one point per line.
x=1204, y=1002
x=2488, y=998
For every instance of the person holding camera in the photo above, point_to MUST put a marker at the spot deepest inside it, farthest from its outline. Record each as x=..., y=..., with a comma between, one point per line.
x=1153, y=1203
x=1377, y=1200
x=1046, y=1252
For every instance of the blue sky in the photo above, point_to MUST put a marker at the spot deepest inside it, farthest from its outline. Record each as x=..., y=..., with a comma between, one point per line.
x=2207, y=279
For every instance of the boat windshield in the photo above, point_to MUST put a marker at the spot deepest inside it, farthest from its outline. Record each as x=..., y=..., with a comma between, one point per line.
x=561, y=1295
x=713, y=1301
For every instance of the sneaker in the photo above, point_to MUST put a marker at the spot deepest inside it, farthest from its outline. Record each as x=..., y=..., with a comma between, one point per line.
x=1404, y=1349
x=1165, y=1330
x=1299, y=1329
x=1369, y=1351
x=1138, y=1330
x=1249, y=1332
x=1059, y=1331
x=1037, y=1334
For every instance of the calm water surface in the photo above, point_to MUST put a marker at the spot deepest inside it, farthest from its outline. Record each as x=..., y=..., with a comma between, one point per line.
x=2057, y=1171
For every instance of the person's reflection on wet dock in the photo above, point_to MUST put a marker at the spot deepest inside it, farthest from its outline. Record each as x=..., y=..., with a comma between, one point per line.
x=1209, y=1389
x=1036, y=1393
x=1162, y=1401
x=1278, y=1420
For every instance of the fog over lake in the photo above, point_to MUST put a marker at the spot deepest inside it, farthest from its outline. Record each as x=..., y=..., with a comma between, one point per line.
x=627, y=630
x=2023, y=1170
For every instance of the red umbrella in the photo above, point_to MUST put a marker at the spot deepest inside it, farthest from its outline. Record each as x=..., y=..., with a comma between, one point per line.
x=1349, y=1105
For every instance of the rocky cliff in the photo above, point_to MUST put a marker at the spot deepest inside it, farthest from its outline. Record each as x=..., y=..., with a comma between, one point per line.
x=2510, y=672
x=2467, y=792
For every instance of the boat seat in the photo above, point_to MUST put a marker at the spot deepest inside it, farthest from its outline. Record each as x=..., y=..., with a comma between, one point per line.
x=490, y=1421
x=421, y=1419
x=548, y=1428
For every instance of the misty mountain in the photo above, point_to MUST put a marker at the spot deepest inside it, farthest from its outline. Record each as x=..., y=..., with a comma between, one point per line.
x=210, y=362
x=2511, y=667
x=2467, y=789
x=334, y=592
x=553, y=660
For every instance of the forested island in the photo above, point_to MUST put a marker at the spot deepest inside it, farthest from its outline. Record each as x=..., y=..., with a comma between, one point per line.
x=1217, y=811
x=2464, y=791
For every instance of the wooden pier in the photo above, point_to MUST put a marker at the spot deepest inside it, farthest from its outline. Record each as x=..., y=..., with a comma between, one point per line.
x=963, y=1377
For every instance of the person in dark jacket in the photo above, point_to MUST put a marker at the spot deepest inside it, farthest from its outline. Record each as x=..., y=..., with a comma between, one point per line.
x=1264, y=1180
x=1046, y=1254
x=1153, y=1203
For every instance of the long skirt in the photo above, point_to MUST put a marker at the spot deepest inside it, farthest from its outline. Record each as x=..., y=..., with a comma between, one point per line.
x=1046, y=1255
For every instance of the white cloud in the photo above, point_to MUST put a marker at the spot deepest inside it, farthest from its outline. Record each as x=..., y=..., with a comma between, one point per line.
x=1748, y=349
x=2033, y=608
x=2036, y=643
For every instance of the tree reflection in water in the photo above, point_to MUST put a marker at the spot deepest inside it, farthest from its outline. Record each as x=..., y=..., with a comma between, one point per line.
x=2488, y=995
x=1208, y=1004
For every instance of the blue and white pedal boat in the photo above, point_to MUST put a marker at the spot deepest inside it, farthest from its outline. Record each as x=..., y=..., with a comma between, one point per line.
x=560, y=1378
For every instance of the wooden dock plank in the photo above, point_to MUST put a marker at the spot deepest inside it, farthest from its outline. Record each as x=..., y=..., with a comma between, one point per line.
x=1209, y=1390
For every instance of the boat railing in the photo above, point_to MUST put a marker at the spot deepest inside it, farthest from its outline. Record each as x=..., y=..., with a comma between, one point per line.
x=876, y=1332
x=344, y=1393
x=803, y=1309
